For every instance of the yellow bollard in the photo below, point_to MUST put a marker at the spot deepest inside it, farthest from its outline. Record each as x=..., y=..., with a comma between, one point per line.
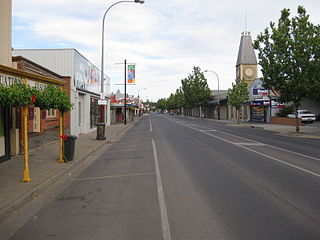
x=26, y=176
x=61, y=139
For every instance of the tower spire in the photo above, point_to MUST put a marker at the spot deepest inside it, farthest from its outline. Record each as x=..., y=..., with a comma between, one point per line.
x=245, y=24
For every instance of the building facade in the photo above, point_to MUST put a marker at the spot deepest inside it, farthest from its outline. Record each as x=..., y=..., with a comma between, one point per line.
x=85, y=84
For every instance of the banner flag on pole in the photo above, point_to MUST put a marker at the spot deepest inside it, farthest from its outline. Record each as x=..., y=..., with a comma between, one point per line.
x=131, y=74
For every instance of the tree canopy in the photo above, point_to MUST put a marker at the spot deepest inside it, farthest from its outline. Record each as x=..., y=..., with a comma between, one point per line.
x=289, y=55
x=237, y=95
x=193, y=92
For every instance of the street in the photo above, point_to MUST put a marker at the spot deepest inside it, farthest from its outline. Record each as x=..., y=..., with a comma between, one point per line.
x=173, y=177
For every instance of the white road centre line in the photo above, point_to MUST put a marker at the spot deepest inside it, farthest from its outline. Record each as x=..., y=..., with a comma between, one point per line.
x=250, y=144
x=115, y=176
x=163, y=210
x=150, y=123
x=265, y=155
x=210, y=130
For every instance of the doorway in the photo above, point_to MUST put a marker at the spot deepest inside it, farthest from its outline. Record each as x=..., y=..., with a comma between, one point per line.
x=4, y=134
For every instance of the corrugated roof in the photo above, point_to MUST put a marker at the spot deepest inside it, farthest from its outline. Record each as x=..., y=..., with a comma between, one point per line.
x=246, y=54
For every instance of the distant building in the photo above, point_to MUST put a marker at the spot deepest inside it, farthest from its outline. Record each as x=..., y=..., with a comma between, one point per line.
x=247, y=65
x=247, y=69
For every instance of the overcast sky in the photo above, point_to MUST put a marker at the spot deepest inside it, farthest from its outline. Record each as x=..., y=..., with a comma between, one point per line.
x=165, y=38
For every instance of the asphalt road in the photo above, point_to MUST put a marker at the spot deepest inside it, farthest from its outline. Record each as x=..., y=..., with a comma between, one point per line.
x=180, y=178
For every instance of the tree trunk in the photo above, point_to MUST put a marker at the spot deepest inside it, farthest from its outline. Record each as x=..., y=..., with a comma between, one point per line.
x=297, y=119
x=238, y=117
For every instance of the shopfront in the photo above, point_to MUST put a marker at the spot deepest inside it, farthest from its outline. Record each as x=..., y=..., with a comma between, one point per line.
x=258, y=111
x=40, y=122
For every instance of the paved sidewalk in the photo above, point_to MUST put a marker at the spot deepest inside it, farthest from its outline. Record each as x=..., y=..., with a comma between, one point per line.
x=45, y=169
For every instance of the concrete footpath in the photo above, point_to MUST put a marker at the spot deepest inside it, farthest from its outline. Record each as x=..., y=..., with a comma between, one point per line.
x=45, y=169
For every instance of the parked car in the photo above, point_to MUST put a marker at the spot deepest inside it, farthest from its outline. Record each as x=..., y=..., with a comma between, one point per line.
x=305, y=115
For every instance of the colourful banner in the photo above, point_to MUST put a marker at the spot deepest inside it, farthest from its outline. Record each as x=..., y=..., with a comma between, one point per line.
x=131, y=74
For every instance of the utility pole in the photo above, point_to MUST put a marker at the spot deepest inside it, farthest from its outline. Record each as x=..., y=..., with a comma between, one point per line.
x=125, y=92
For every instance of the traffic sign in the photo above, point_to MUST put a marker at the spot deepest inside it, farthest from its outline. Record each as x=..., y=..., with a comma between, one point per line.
x=102, y=102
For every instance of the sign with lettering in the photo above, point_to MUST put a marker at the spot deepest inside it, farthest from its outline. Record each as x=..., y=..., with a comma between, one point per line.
x=7, y=80
x=37, y=85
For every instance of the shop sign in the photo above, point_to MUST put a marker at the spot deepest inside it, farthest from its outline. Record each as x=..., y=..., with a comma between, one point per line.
x=260, y=103
x=7, y=80
x=37, y=85
x=276, y=104
x=259, y=91
x=102, y=102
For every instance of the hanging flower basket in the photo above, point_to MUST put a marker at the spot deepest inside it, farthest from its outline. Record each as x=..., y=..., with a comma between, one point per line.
x=18, y=95
x=53, y=97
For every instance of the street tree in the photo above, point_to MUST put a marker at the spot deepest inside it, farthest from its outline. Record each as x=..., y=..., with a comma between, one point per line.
x=237, y=95
x=161, y=104
x=289, y=55
x=195, y=88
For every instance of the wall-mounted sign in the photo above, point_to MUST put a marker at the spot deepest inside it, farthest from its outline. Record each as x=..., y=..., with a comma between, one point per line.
x=37, y=85
x=7, y=80
x=259, y=91
x=102, y=102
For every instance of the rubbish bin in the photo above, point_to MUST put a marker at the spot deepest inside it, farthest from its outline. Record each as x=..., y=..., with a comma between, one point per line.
x=69, y=147
x=101, y=127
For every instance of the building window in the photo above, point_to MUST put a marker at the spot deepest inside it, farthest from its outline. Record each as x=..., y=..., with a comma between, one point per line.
x=51, y=113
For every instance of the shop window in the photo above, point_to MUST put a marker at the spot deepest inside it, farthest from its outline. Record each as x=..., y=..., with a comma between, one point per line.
x=51, y=113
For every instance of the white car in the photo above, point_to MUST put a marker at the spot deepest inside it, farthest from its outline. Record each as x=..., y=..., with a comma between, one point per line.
x=305, y=115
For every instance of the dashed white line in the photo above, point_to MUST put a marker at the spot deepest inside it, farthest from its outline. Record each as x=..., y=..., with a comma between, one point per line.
x=150, y=123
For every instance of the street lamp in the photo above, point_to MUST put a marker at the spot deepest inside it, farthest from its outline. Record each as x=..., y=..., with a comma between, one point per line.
x=140, y=90
x=139, y=100
x=102, y=117
x=218, y=91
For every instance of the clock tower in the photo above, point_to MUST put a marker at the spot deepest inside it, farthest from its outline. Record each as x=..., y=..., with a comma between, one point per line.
x=247, y=66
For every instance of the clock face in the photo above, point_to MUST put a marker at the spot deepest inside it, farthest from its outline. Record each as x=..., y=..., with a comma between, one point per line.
x=248, y=72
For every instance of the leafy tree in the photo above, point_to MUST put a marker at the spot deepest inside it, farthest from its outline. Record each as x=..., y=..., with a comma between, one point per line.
x=179, y=98
x=53, y=97
x=290, y=58
x=162, y=104
x=237, y=95
x=171, y=104
x=195, y=88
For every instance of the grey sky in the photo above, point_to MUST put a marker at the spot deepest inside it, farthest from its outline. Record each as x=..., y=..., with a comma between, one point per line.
x=165, y=38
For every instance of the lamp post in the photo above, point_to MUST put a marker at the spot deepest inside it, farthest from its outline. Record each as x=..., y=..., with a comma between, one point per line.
x=218, y=91
x=139, y=100
x=102, y=116
x=140, y=90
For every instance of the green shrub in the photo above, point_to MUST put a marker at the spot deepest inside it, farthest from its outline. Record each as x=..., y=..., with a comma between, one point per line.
x=285, y=111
